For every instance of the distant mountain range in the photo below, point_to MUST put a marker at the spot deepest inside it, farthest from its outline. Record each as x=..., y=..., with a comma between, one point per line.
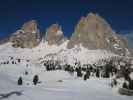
x=92, y=32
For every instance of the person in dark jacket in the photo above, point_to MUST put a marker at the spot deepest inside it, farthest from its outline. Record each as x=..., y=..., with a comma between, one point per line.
x=20, y=81
x=35, y=79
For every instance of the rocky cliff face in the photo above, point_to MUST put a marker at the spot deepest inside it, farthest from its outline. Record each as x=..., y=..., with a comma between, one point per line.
x=54, y=35
x=27, y=37
x=93, y=32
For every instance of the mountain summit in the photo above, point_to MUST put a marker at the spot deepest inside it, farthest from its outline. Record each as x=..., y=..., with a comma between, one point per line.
x=27, y=37
x=93, y=32
x=54, y=35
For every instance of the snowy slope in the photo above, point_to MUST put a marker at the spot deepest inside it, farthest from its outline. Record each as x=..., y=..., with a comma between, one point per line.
x=54, y=85
x=51, y=89
x=61, y=53
x=32, y=58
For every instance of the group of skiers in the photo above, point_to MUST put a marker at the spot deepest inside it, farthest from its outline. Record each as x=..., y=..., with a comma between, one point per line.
x=35, y=80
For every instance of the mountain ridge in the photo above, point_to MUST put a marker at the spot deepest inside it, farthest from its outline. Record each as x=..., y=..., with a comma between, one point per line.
x=92, y=32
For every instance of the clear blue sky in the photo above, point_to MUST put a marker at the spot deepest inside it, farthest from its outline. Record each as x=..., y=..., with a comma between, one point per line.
x=13, y=13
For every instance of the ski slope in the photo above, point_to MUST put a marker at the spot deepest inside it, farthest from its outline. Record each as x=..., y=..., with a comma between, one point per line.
x=59, y=53
x=50, y=88
x=54, y=85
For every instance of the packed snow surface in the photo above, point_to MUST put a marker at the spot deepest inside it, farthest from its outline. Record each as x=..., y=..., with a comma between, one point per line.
x=61, y=53
x=51, y=88
x=53, y=85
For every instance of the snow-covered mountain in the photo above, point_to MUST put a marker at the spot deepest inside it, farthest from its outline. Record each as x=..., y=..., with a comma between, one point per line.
x=94, y=32
x=92, y=40
x=54, y=35
x=28, y=36
x=94, y=46
x=58, y=53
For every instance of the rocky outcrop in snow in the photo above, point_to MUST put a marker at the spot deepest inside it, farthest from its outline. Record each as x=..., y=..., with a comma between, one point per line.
x=54, y=35
x=93, y=32
x=27, y=37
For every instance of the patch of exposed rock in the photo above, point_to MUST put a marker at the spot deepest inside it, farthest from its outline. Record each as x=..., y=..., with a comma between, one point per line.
x=93, y=32
x=54, y=35
x=27, y=37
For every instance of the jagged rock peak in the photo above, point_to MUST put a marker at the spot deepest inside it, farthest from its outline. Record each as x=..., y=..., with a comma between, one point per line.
x=54, y=34
x=54, y=28
x=94, y=32
x=94, y=15
x=28, y=36
x=93, y=23
x=30, y=26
